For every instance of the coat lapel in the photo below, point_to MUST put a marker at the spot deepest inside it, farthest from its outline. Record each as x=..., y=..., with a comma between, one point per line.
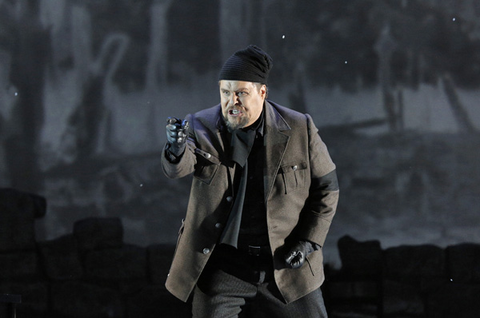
x=276, y=142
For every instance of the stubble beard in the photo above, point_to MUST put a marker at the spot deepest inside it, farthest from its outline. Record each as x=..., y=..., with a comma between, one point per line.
x=238, y=124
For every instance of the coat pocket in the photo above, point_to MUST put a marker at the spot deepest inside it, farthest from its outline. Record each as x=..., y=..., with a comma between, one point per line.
x=180, y=233
x=314, y=261
x=205, y=173
x=294, y=176
x=207, y=166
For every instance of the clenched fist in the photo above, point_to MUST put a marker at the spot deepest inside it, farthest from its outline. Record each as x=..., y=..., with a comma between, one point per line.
x=298, y=253
x=177, y=130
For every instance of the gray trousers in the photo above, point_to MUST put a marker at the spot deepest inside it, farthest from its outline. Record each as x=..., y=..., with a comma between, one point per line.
x=221, y=293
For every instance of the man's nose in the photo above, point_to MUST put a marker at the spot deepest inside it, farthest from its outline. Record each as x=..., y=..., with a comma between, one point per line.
x=234, y=100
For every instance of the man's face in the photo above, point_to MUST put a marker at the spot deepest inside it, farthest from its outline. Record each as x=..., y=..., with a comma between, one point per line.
x=242, y=102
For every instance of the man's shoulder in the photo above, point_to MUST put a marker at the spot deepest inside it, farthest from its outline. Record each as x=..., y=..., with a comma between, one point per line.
x=285, y=111
x=207, y=116
x=288, y=114
x=208, y=112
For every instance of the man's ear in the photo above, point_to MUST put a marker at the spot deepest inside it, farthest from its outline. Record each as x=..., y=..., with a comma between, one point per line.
x=263, y=91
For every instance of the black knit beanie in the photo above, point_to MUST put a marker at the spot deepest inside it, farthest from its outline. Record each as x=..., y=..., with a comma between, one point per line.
x=250, y=65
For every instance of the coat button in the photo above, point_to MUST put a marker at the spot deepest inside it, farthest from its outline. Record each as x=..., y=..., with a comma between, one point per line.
x=206, y=250
x=295, y=168
x=208, y=156
x=218, y=225
x=229, y=199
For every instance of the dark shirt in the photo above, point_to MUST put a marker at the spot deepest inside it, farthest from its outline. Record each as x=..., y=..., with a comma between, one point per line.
x=253, y=229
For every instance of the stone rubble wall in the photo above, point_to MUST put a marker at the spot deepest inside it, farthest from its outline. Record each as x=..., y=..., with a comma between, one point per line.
x=92, y=273
x=87, y=274
x=404, y=281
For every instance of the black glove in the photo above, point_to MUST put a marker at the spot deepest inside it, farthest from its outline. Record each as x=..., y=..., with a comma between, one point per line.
x=177, y=130
x=297, y=254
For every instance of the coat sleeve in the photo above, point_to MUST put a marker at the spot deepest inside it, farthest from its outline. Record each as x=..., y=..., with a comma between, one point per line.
x=186, y=162
x=321, y=205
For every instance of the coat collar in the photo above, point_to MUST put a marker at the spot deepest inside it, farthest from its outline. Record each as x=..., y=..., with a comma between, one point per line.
x=273, y=117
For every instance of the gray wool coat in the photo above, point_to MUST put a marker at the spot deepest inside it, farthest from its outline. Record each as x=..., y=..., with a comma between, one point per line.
x=301, y=195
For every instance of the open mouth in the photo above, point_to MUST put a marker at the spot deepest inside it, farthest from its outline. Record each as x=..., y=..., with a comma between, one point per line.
x=234, y=112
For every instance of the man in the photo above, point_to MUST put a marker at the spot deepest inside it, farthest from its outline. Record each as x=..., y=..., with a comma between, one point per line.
x=263, y=195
